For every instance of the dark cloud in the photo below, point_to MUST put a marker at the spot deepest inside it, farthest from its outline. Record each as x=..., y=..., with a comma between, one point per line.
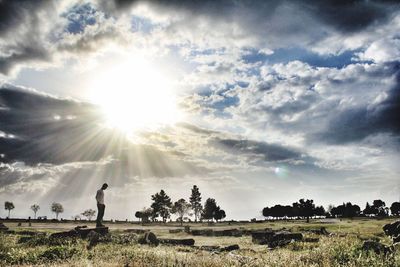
x=355, y=124
x=344, y=15
x=21, y=30
x=39, y=129
x=255, y=149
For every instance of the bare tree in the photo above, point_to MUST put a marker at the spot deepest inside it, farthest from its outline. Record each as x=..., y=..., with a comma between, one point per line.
x=9, y=206
x=35, y=208
x=57, y=208
x=89, y=213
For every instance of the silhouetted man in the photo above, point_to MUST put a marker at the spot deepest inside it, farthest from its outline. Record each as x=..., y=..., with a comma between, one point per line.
x=100, y=205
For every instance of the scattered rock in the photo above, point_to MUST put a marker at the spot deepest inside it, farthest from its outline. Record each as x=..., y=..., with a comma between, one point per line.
x=230, y=248
x=393, y=230
x=148, y=238
x=175, y=231
x=80, y=232
x=202, y=232
x=209, y=248
x=175, y=242
x=377, y=247
x=93, y=238
x=275, y=239
x=72, y=233
x=3, y=227
x=187, y=229
x=84, y=232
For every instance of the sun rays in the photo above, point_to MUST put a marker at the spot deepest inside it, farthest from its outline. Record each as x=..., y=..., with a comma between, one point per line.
x=135, y=94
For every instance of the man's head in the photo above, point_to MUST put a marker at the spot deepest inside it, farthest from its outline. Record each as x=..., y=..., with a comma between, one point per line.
x=104, y=186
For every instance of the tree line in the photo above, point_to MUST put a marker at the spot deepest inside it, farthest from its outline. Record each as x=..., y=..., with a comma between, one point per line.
x=55, y=207
x=305, y=208
x=162, y=207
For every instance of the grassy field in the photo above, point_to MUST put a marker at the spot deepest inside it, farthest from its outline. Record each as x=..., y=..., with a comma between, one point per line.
x=342, y=248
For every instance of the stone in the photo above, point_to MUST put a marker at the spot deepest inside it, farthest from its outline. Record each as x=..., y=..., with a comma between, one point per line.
x=3, y=227
x=376, y=247
x=149, y=238
x=93, y=238
x=230, y=248
x=175, y=231
x=83, y=232
x=71, y=233
x=275, y=239
x=175, y=242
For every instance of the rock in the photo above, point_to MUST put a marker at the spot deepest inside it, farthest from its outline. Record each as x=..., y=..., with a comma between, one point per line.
x=275, y=239
x=149, y=238
x=93, y=238
x=230, y=248
x=83, y=232
x=377, y=247
x=19, y=224
x=187, y=229
x=202, y=232
x=79, y=227
x=209, y=248
x=71, y=233
x=3, y=227
x=182, y=242
x=393, y=230
x=175, y=231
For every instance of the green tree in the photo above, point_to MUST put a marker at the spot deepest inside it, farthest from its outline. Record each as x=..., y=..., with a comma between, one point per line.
x=180, y=207
x=210, y=206
x=219, y=214
x=195, y=202
x=395, y=208
x=161, y=205
x=305, y=208
x=89, y=214
x=35, y=208
x=9, y=206
x=57, y=208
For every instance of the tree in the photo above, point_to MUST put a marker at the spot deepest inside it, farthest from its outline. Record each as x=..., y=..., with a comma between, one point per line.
x=35, y=208
x=9, y=206
x=89, y=214
x=195, y=202
x=395, y=208
x=161, y=205
x=369, y=210
x=306, y=208
x=380, y=208
x=144, y=214
x=57, y=208
x=347, y=210
x=210, y=207
x=180, y=207
x=219, y=214
x=139, y=215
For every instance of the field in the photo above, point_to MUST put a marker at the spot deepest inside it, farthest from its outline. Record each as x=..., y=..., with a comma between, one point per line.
x=342, y=248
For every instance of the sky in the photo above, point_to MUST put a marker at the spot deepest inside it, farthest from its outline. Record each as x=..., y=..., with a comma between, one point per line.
x=256, y=102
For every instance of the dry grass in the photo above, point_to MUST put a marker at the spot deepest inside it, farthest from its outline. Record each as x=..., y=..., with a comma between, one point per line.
x=342, y=249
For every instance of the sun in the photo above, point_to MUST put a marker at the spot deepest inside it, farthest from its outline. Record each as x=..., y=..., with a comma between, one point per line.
x=135, y=95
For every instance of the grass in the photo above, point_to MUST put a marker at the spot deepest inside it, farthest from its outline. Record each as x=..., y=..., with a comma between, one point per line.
x=341, y=249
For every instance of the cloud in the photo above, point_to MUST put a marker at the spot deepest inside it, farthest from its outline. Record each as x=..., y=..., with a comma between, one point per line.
x=355, y=124
x=254, y=149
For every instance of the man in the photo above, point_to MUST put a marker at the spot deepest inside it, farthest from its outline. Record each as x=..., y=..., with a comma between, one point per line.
x=100, y=205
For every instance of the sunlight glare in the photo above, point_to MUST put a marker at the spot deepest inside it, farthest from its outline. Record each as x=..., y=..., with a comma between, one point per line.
x=135, y=95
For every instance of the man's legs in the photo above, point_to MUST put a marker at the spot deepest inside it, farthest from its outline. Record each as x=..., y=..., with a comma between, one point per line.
x=100, y=214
